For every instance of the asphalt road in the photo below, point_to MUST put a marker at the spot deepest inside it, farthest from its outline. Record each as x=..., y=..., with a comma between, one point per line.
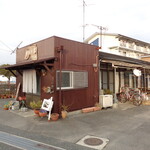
x=127, y=128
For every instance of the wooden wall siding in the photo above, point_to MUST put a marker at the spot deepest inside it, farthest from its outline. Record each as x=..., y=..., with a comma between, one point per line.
x=49, y=80
x=79, y=56
x=76, y=56
x=45, y=50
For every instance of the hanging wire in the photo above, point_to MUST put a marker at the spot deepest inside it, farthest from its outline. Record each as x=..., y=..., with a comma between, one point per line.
x=5, y=50
x=6, y=45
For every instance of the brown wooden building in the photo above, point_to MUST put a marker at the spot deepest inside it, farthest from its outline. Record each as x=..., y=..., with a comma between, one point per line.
x=74, y=73
x=63, y=69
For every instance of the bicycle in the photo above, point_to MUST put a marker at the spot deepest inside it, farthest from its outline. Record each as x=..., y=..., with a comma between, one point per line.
x=133, y=95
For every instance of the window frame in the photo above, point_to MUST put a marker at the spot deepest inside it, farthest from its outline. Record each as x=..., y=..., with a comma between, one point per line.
x=72, y=78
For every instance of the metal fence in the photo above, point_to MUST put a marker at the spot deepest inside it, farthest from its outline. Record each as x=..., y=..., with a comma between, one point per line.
x=7, y=89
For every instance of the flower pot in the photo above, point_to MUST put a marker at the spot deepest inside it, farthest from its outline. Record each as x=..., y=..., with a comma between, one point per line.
x=63, y=114
x=36, y=111
x=42, y=113
x=20, y=98
x=54, y=116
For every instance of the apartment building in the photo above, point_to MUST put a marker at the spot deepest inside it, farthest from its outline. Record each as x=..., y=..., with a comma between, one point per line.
x=119, y=48
x=120, y=45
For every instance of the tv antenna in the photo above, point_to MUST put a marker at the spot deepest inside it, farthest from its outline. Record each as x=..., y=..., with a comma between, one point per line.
x=101, y=28
x=84, y=4
x=13, y=51
x=84, y=25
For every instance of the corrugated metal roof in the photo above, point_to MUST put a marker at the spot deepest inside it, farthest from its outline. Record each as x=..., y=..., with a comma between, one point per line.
x=118, y=58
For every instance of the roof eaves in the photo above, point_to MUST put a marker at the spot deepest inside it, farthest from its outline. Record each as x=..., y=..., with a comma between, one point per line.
x=21, y=65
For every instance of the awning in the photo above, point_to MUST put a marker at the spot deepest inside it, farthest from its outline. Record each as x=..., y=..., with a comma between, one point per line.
x=123, y=61
x=122, y=64
x=29, y=64
x=42, y=63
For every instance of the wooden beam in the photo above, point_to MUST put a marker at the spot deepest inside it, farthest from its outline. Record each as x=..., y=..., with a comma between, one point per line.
x=12, y=72
x=19, y=72
x=46, y=67
x=47, y=64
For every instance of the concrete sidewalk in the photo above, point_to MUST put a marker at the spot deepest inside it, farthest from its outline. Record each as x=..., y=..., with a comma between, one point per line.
x=127, y=128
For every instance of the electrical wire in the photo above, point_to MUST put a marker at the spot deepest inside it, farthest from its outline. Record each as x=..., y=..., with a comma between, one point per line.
x=5, y=45
x=5, y=50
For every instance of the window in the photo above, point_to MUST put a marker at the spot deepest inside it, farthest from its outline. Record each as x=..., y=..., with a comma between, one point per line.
x=72, y=79
x=122, y=43
x=38, y=82
x=124, y=53
x=95, y=42
x=105, y=80
x=66, y=79
x=131, y=45
x=138, y=48
x=29, y=81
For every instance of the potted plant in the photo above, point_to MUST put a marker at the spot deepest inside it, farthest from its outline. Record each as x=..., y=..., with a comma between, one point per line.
x=97, y=107
x=36, y=106
x=107, y=92
x=6, y=107
x=42, y=113
x=64, y=111
x=54, y=116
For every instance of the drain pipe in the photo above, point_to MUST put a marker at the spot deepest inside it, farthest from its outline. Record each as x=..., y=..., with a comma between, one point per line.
x=60, y=77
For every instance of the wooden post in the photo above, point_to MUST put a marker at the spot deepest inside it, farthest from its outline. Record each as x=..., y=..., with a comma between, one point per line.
x=115, y=97
x=144, y=81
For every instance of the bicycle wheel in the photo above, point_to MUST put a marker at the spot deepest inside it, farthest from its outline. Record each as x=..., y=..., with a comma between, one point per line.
x=137, y=99
x=122, y=97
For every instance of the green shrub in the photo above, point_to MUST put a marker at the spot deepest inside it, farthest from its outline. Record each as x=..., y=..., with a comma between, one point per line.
x=36, y=105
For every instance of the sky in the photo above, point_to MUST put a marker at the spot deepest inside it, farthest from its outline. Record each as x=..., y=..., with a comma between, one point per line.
x=28, y=21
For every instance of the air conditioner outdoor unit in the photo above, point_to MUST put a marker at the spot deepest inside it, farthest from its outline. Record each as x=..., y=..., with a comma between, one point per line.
x=106, y=100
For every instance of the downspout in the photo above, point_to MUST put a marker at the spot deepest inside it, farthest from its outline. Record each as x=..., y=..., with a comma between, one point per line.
x=99, y=77
x=60, y=77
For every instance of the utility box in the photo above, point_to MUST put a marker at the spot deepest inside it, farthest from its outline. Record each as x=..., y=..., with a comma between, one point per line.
x=106, y=100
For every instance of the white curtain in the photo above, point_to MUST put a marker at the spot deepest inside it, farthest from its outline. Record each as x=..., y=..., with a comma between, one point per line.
x=29, y=81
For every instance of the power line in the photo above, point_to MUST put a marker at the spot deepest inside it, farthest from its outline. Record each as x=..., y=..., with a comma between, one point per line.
x=5, y=50
x=5, y=45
